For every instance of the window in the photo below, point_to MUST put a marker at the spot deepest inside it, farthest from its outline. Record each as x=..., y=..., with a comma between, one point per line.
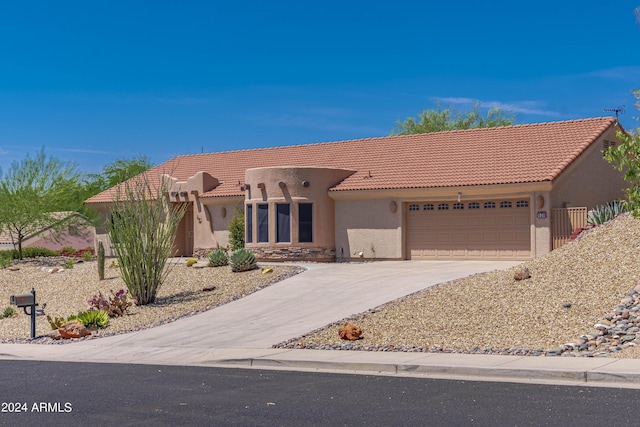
x=443, y=207
x=263, y=223
x=283, y=222
x=522, y=204
x=414, y=207
x=505, y=204
x=305, y=222
x=474, y=205
x=458, y=206
x=489, y=205
x=248, y=219
x=428, y=207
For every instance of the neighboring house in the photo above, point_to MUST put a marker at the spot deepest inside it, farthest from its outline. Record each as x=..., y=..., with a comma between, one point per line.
x=472, y=194
x=70, y=229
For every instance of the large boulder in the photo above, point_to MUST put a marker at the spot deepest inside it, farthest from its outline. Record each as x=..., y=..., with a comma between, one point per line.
x=73, y=329
x=350, y=332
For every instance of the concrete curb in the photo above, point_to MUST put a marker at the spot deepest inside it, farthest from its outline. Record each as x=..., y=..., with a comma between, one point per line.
x=601, y=372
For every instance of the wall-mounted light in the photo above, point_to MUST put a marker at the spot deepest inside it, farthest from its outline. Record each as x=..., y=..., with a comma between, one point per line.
x=539, y=202
x=459, y=195
x=223, y=212
x=393, y=206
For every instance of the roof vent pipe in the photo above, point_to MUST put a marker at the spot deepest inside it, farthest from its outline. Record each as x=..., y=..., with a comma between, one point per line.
x=282, y=184
x=305, y=184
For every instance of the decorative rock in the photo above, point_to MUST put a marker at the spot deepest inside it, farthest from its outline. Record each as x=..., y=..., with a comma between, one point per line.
x=73, y=329
x=349, y=331
x=522, y=274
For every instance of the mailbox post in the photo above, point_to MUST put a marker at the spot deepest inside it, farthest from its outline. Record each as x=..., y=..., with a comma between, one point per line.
x=24, y=301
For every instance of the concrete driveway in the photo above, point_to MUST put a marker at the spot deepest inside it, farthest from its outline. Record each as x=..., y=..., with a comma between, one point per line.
x=325, y=293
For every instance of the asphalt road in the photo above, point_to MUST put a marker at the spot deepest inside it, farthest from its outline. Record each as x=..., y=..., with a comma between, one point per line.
x=69, y=394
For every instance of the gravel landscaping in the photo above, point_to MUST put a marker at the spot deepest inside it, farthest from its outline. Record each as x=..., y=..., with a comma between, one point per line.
x=66, y=292
x=554, y=312
x=581, y=300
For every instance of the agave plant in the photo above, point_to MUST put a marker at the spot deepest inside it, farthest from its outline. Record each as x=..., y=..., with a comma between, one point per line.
x=95, y=318
x=242, y=260
x=603, y=213
x=218, y=258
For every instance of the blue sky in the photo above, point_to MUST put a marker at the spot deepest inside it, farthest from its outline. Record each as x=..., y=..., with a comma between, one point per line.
x=95, y=81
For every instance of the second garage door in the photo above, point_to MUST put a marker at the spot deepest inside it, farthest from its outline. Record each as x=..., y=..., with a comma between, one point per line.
x=485, y=229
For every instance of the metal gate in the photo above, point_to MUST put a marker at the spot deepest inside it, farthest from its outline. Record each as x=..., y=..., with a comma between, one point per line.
x=564, y=221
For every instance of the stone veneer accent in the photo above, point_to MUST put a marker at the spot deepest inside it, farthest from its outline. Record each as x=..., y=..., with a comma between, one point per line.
x=288, y=253
x=293, y=253
x=201, y=253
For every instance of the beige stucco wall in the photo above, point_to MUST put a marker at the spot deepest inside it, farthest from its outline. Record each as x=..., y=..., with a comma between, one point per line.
x=540, y=226
x=293, y=185
x=590, y=180
x=367, y=229
x=212, y=222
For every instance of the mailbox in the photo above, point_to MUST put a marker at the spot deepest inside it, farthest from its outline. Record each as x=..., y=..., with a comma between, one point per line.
x=23, y=300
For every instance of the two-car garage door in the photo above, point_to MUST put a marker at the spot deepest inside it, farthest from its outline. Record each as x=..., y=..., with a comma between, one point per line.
x=484, y=229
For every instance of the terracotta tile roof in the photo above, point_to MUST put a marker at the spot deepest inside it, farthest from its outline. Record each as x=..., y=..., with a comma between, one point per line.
x=510, y=154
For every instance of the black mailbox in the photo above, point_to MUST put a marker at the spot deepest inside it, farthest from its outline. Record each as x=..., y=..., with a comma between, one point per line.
x=23, y=300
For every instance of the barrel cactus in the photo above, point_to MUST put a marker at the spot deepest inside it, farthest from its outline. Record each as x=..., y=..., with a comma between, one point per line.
x=242, y=260
x=218, y=258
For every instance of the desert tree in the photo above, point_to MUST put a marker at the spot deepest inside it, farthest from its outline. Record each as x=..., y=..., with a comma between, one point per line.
x=444, y=119
x=625, y=157
x=32, y=191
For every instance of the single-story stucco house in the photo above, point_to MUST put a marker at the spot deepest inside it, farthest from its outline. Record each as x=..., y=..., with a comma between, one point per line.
x=68, y=229
x=510, y=192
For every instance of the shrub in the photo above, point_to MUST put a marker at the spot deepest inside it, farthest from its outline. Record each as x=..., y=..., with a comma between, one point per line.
x=218, y=258
x=87, y=256
x=114, y=305
x=35, y=251
x=191, y=261
x=143, y=229
x=242, y=260
x=94, y=318
x=604, y=213
x=69, y=250
x=236, y=230
x=69, y=263
x=8, y=312
x=5, y=260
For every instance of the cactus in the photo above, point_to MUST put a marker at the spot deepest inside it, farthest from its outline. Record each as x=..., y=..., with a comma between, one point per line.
x=100, y=260
x=218, y=258
x=242, y=260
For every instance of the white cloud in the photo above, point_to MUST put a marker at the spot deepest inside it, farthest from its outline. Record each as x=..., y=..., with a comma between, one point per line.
x=518, y=107
x=618, y=73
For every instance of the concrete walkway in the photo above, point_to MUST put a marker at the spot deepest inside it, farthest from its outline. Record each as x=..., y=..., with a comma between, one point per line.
x=324, y=294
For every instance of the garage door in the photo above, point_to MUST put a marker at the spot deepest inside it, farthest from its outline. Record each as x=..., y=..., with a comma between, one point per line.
x=485, y=229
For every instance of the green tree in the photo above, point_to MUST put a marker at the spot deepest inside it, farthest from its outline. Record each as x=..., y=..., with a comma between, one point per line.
x=115, y=173
x=626, y=158
x=236, y=230
x=143, y=230
x=31, y=190
x=440, y=119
